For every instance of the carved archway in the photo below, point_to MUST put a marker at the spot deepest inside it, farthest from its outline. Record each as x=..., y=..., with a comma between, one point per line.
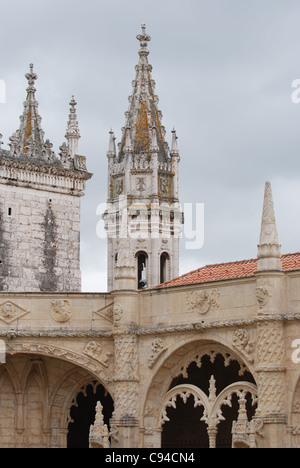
x=212, y=405
x=184, y=392
x=82, y=413
x=81, y=360
x=178, y=376
x=37, y=393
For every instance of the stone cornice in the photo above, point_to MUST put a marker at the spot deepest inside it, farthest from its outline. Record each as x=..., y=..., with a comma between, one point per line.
x=144, y=331
x=35, y=166
x=55, y=178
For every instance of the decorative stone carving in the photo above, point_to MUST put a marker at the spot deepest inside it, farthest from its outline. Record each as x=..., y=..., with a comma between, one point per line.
x=158, y=348
x=212, y=404
x=140, y=184
x=125, y=257
x=99, y=434
x=107, y=312
x=126, y=357
x=262, y=293
x=126, y=400
x=61, y=353
x=117, y=314
x=270, y=345
x=9, y=312
x=164, y=185
x=80, y=163
x=118, y=186
x=61, y=310
x=203, y=301
x=245, y=433
x=96, y=351
x=241, y=342
x=271, y=368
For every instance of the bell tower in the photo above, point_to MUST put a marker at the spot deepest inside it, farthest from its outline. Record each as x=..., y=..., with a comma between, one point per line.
x=143, y=219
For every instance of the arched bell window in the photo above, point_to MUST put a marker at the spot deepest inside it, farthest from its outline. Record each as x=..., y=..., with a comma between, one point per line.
x=142, y=264
x=164, y=267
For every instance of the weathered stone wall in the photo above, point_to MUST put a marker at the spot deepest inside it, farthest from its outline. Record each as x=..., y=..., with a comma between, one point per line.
x=39, y=240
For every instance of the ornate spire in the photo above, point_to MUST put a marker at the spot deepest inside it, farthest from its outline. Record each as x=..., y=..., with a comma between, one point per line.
x=112, y=145
x=28, y=140
x=73, y=133
x=143, y=114
x=269, y=253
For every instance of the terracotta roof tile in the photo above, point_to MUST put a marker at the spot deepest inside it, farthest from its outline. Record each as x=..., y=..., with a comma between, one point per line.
x=231, y=270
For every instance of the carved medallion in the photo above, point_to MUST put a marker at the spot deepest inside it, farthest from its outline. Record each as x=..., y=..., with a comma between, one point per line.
x=203, y=301
x=9, y=312
x=61, y=310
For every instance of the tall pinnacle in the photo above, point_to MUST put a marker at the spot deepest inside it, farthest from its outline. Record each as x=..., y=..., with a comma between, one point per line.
x=143, y=114
x=28, y=140
x=269, y=253
x=73, y=133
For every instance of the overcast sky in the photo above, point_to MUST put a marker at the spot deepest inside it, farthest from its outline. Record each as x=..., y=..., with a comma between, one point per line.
x=223, y=70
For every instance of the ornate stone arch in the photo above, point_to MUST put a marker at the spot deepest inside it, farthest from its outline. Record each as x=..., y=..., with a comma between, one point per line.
x=175, y=364
x=184, y=392
x=212, y=404
x=44, y=349
x=241, y=389
x=84, y=370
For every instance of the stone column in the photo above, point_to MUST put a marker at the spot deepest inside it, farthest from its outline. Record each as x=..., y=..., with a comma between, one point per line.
x=125, y=420
x=270, y=350
x=271, y=382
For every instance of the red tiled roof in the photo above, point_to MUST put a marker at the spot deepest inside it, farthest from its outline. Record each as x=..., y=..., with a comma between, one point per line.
x=231, y=270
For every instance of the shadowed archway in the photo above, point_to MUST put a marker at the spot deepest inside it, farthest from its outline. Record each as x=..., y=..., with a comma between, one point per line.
x=83, y=412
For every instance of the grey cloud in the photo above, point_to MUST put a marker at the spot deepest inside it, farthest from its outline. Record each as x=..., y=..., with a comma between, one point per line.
x=223, y=70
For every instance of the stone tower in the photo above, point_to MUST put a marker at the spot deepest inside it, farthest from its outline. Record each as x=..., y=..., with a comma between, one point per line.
x=40, y=205
x=143, y=219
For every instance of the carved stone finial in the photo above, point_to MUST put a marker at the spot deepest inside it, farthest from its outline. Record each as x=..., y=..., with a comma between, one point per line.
x=174, y=148
x=31, y=76
x=112, y=145
x=144, y=38
x=269, y=250
x=73, y=133
x=99, y=434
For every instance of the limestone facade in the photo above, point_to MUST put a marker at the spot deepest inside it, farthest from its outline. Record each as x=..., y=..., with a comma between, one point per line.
x=211, y=359
x=137, y=345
